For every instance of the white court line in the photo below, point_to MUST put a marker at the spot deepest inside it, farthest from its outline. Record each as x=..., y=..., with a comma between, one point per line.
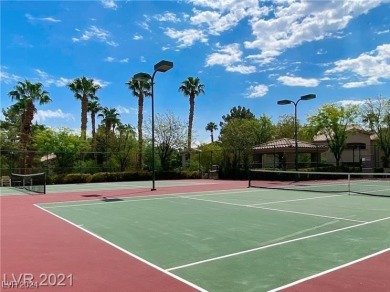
x=148, y=198
x=277, y=210
x=295, y=200
x=330, y=270
x=127, y=252
x=274, y=244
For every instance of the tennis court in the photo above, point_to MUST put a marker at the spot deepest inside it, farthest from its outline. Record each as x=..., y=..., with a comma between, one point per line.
x=243, y=239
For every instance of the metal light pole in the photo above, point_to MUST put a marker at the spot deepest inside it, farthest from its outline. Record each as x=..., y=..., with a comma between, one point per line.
x=161, y=66
x=295, y=103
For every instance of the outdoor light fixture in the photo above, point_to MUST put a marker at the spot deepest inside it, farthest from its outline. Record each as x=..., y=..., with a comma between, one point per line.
x=295, y=103
x=162, y=66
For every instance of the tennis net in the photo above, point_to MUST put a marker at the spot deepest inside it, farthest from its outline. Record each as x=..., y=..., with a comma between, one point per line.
x=374, y=184
x=31, y=182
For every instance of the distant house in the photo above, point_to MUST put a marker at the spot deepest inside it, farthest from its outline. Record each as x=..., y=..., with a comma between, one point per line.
x=281, y=154
x=361, y=149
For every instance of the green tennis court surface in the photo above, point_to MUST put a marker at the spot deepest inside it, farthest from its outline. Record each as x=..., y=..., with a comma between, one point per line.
x=245, y=240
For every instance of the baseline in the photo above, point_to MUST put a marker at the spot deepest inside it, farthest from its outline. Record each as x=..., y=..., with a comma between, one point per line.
x=275, y=244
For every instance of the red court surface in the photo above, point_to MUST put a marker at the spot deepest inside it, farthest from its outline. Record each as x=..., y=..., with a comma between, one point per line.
x=34, y=242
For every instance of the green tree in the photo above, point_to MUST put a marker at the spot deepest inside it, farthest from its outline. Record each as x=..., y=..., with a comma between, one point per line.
x=211, y=127
x=266, y=129
x=140, y=89
x=376, y=116
x=65, y=144
x=123, y=144
x=26, y=94
x=285, y=127
x=239, y=112
x=84, y=90
x=333, y=121
x=191, y=87
x=240, y=135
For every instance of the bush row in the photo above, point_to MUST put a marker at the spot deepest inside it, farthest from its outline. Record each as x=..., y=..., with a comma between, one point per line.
x=74, y=178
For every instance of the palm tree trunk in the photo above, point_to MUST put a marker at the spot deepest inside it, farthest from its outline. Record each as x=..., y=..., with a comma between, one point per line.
x=190, y=121
x=140, y=141
x=84, y=113
x=29, y=116
x=93, y=121
x=212, y=136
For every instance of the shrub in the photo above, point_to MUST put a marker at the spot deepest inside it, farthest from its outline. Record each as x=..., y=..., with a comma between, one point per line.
x=75, y=178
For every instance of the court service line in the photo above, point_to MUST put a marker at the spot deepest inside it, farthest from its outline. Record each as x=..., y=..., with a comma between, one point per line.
x=295, y=200
x=275, y=244
x=277, y=210
x=127, y=252
x=146, y=198
x=330, y=270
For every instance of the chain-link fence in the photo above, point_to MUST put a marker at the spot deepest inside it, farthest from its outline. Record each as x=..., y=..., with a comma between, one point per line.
x=230, y=163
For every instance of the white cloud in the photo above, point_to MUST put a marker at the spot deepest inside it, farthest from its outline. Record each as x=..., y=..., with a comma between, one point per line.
x=48, y=80
x=43, y=115
x=383, y=31
x=112, y=59
x=124, y=110
x=109, y=59
x=228, y=56
x=187, y=37
x=295, y=23
x=368, y=68
x=137, y=37
x=167, y=17
x=8, y=78
x=101, y=83
x=241, y=69
x=109, y=4
x=42, y=19
x=93, y=32
x=61, y=82
x=225, y=14
x=225, y=56
x=298, y=81
x=351, y=102
x=142, y=59
x=255, y=91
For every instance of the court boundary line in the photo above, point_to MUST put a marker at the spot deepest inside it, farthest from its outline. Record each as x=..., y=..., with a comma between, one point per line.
x=277, y=210
x=329, y=270
x=275, y=244
x=166, y=272
x=296, y=200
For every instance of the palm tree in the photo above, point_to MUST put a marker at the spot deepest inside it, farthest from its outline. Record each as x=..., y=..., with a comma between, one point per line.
x=191, y=87
x=110, y=118
x=140, y=89
x=26, y=94
x=84, y=89
x=94, y=108
x=211, y=127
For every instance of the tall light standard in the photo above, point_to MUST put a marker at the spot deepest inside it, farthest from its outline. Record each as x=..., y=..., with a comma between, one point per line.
x=295, y=103
x=161, y=66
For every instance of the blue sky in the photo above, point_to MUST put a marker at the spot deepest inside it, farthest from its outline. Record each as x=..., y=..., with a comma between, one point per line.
x=246, y=52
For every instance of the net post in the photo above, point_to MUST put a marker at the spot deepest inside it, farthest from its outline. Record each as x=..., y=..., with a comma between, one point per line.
x=249, y=178
x=349, y=184
x=44, y=184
